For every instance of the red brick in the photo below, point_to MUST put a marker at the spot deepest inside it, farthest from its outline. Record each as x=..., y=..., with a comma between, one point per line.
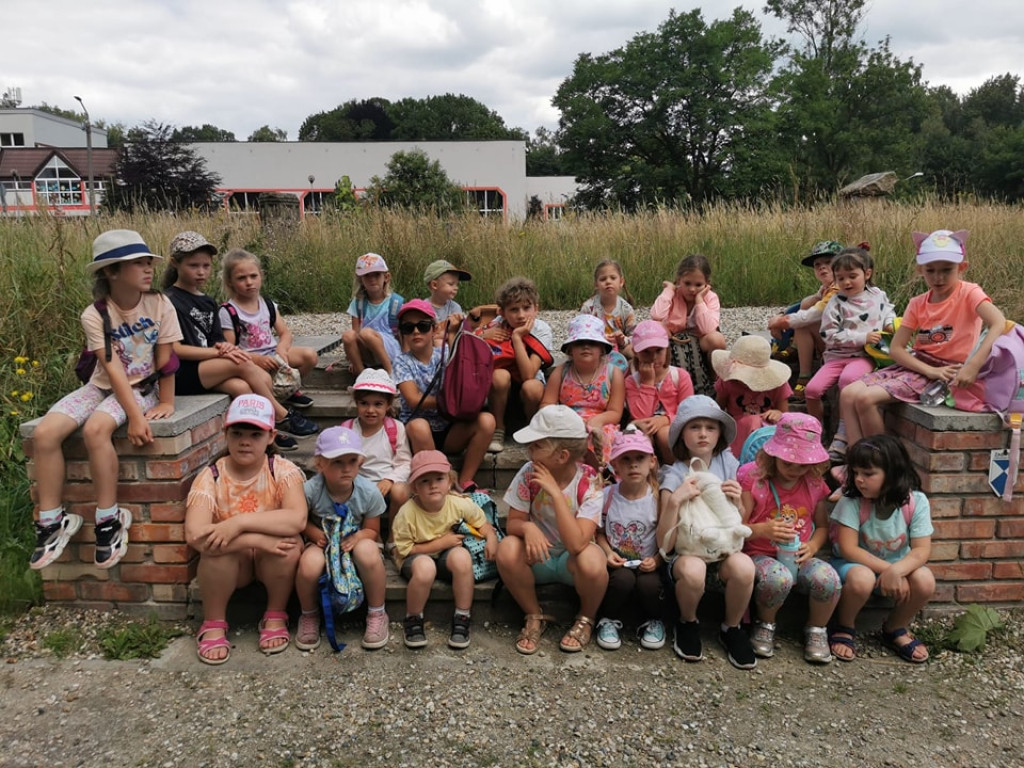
x=173, y=512
x=1008, y=570
x=978, y=461
x=959, y=483
x=945, y=550
x=1011, y=529
x=59, y=591
x=154, y=490
x=961, y=571
x=155, y=574
x=991, y=506
x=170, y=593
x=951, y=461
x=945, y=506
x=959, y=441
x=78, y=471
x=158, y=532
x=114, y=591
x=965, y=529
x=136, y=552
x=902, y=428
x=993, y=592
x=170, y=553
x=944, y=593
x=990, y=550
x=207, y=429
x=179, y=468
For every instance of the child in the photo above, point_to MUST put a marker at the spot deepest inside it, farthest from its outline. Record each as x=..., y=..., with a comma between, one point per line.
x=385, y=443
x=618, y=315
x=630, y=545
x=784, y=497
x=255, y=325
x=806, y=321
x=589, y=383
x=208, y=362
x=521, y=342
x=554, y=511
x=944, y=324
x=374, y=312
x=126, y=387
x=703, y=430
x=338, y=490
x=883, y=542
x=442, y=279
x=426, y=546
x=690, y=305
x=426, y=427
x=655, y=389
x=751, y=387
x=243, y=516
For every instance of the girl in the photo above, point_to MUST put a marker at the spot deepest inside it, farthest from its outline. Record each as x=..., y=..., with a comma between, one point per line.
x=655, y=389
x=426, y=546
x=208, y=362
x=243, y=516
x=338, y=491
x=784, y=497
x=752, y=387
x=127, y=385
x=855, y=316
x=628, y=541
x=617, y=313
x=944, y=325
x=690, y=305
x=703, y=430
x=255, y=325
x=426, y=428
x=374, y=312
x=589, y=383
x=882, y=538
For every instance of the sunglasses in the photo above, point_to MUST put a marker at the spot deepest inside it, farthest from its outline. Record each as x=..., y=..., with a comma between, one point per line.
x=423, y=326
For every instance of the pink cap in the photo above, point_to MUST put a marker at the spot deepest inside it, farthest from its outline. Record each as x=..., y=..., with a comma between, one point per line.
x=649, y=333
x=251, y=409
x=797, y=439
x=625, y=442
x=418, y=305
x=370, y=262
x=425, y=462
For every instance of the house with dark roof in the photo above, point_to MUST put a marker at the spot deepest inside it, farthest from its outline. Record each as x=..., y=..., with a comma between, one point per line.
x=52, y=178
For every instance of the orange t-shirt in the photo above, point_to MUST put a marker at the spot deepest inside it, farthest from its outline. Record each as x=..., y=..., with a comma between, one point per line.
x=228, y=496
x=947, y=329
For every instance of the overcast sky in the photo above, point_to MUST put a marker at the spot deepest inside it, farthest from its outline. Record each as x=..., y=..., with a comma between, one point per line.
x=240, y=64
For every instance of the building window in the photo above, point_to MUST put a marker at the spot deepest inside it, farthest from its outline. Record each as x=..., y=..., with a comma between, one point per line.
x=489, y=202
x=58, y=186
x=554, y=211
x=244, y=202
x=12, y=139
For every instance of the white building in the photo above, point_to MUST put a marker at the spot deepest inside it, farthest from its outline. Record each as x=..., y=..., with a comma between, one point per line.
x=35, y=128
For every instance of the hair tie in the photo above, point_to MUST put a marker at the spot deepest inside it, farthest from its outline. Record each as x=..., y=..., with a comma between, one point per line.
x=865, y=245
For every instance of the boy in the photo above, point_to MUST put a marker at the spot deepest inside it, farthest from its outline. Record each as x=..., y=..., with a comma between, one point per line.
x=521, y=344
x=554, y=511
x=442, y=279
x=385, y=444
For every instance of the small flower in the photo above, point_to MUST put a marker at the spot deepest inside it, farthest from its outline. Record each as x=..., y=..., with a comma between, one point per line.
x=21, y=371
x=15, y=393
x=20, y=360
x=35, y=363
x=15, y=413
x=26, y=396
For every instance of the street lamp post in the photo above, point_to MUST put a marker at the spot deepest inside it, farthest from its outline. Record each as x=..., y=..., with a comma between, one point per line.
x=88, y=156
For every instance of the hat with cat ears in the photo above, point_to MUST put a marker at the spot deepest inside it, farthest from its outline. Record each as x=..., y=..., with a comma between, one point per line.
x=941, y=245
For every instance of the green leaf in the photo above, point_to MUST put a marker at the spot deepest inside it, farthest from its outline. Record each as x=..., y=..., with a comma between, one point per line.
x=972, y=627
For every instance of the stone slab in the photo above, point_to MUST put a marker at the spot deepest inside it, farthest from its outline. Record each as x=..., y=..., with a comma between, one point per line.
x=189, y=412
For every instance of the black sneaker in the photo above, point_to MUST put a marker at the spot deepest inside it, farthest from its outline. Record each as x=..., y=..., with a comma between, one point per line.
x=459, y=637
x=686, y=643
x=415, y=635
x=51, y=540
x=299, y=400
x=297, y=424
x=112, y=539
x=737, y=645
x=285, y=444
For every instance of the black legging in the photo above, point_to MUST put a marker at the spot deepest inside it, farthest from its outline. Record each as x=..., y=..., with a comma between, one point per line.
x=623, y=583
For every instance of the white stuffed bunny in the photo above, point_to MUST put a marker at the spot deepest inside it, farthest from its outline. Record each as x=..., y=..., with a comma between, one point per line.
x=710, y=526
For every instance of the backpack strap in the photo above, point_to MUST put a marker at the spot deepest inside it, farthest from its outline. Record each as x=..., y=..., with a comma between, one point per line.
x=101, y=307
x=216, y=472
x=390, y=428
x=394, y=304
x=236, y=321
x=328, y=611
x=607, y=502
x=272, y=311
x=907, y=510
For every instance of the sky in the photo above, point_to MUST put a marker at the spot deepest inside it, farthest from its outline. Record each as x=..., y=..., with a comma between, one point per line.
x=241, y=64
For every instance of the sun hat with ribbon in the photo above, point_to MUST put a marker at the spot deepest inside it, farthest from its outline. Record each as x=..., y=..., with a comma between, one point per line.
x=116, y=245
x=750, y=362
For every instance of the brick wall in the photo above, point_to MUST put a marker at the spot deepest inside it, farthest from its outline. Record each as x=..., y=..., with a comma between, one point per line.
x=154, y=575
x=978, y=545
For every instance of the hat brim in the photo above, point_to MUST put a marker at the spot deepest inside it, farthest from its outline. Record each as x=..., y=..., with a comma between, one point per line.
x=98, y=264
x=931, y=258
x=210, y=248
x=603, y=342
x=714, y=413
x=430, y=467
x=808, y=261
x=375, y=388
x=462, y=274
x=816, y=454
x=640, y=346
x=341, y=452
x=528, y=435
x=773, y=375
x=249, y=423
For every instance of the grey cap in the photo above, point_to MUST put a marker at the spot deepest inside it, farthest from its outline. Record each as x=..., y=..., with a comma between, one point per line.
x=185, y=243
x=700, y=407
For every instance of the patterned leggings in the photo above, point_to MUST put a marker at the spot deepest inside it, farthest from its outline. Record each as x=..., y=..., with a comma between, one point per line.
x=773, y=582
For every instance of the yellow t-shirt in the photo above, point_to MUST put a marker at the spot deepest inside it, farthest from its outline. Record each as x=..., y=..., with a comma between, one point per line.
x=414, y=525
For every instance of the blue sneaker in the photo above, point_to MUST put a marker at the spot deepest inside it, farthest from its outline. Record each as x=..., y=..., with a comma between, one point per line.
x=652, y=635
x=298, y=425
x=299, y=400
x=608, y=634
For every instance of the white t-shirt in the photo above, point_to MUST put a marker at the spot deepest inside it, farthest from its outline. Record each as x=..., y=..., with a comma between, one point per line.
x=541, y=508
x=630, y=525
x=381, y=462
x=257, y=335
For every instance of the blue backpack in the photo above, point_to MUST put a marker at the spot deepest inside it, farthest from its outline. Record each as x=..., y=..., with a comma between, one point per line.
x=755, y=440
x=341, y=590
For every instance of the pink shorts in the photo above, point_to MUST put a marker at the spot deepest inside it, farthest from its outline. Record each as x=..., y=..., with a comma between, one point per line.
x=89, y=399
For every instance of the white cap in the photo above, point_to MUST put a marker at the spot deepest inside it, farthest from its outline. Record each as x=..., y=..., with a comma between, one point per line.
x=558, y=421
x=251, y=409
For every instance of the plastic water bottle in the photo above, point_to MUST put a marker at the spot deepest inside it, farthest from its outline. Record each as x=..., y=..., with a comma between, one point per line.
x=786, y=554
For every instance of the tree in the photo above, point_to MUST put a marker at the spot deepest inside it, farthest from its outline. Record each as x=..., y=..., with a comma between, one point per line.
x=366, y=120
x=682, y=114
x=997, y=101
x=155, y=172
x=266, y=133
x=448, y=118
x=190, y=134
x=415, y=181
x=543, y=155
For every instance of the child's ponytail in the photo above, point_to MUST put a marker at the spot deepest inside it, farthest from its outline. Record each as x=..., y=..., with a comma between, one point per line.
x=170, y=276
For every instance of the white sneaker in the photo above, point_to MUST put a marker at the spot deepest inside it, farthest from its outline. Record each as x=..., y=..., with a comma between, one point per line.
x=51, y=540
x=112, y=539
x=608, y=634
x=497, y=444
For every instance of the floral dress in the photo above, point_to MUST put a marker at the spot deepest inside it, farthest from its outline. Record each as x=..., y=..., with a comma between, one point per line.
x=590, y=400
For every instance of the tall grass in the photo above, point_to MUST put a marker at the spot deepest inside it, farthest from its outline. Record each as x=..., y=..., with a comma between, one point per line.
x=754, y=251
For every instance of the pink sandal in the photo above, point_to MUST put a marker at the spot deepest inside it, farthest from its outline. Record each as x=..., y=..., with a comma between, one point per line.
x=204, y=646
x=266, y=635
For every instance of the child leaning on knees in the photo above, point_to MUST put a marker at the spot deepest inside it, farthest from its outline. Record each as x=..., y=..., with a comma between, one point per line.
x=442, y=279
x=944, y=325
x=608, y=305
x=338, y=491
x=655, y=389
x=751, y=387
x=689, y=305
x=373, y=337
x=882, y=539
x=806, y=321
x=554, y=511
x=784, y=498
x=426, y=546
x=244, y=516
x=245, y=318
x=629, y=541
x=702, y=430
x=128, y=386
x=385, y=444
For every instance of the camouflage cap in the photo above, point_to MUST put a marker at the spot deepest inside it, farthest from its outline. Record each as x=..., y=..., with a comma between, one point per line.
x=185, y=243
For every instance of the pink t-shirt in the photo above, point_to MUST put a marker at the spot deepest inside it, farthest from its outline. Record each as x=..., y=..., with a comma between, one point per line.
x=740, y=401
x=797, y=505
x=948, y=329
x=645, y=400
x=674, y=313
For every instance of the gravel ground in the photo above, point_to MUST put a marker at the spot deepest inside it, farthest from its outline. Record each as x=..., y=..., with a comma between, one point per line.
x=489, y=706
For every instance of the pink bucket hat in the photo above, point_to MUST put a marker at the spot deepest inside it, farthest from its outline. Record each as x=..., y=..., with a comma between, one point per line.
x=625, y=442
x=418, y=305
x=586, y=328
x=797, y=439
x=750, y=361
x=370, y=262
x=374, y=380
x=251, y=409
x=425, y=462
x=649, y=333
x=941, y=245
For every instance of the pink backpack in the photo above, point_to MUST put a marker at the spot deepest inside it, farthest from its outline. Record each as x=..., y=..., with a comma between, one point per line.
x=1003, y=377
x=390, y=428
x=468, y=368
